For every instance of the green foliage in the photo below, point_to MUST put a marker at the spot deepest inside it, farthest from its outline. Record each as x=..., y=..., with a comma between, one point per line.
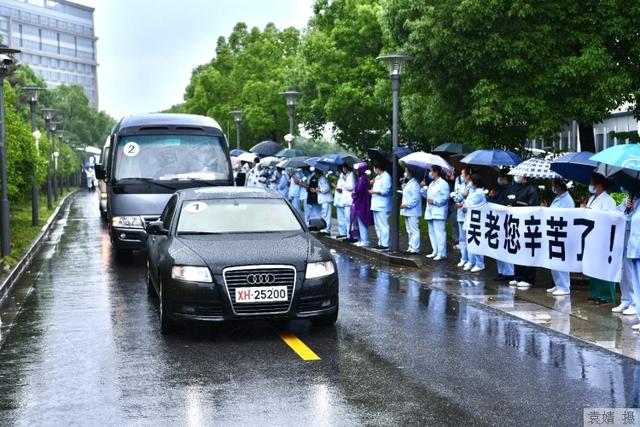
x=499, y=72
x=341, y=81
x=315, y=147
x=248, y=73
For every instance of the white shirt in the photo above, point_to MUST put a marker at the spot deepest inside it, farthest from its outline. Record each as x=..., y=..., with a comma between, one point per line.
x=603, y=202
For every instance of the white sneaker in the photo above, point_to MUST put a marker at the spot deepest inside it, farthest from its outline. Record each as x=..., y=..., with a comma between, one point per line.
x=636, y=327
x=461, y=264
x=468, y=266
x=513, y=283
x=619, y=309
x=476, y=269
x=523, y=284
x=559, y=293
x=630, y=311
x=432, y=255
x=360, y=244
x=439, y=258
x=552, y=290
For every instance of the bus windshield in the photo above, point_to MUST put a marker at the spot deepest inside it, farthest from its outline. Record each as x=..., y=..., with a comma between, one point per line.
x=167, y=157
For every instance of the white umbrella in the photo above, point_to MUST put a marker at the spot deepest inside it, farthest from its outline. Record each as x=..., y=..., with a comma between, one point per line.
x=426, y=160
x=534, y=168
x=269, y=161
x=247, y=157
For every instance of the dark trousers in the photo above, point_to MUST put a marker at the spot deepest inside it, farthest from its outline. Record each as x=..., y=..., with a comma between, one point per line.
x=526, y=274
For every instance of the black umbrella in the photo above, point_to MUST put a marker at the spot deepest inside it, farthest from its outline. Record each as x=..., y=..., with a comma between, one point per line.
x=380, y=157
x=266, y=148
x=294, y=162
x=452, y=148
x=620, y=177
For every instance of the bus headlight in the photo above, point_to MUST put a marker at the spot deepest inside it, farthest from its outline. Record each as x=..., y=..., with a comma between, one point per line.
x=127, y=222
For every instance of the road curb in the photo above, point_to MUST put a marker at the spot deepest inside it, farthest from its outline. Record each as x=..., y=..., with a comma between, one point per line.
x=25, y=261
x=378, y=256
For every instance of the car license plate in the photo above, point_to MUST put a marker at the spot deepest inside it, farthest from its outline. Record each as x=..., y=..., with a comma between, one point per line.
x=262, y=294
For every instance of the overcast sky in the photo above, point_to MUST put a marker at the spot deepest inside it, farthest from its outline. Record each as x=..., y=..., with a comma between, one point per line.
x=147, y=48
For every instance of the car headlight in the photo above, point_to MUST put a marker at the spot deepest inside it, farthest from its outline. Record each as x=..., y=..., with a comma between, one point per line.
x=127, y=222
x=316, y=270
x=191, y=274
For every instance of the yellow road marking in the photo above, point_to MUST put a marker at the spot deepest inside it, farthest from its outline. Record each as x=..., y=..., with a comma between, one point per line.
x=298, y=346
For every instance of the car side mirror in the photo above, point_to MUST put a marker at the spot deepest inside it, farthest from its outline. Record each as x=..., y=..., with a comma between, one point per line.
x=156, y=228
x=101, y=173
x=317, y=224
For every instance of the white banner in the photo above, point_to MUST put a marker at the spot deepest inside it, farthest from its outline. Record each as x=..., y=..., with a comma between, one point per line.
x=576, y=240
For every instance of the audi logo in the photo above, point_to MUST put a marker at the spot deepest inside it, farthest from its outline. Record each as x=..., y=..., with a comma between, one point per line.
x=261, y=279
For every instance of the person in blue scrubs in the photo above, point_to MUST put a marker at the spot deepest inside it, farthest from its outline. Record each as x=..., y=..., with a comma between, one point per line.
x=462, y=189
x=563, y=200
x=633, y=254
x=437, y=195
x=381, y=205
x=475, y=199
x=411, y=209
x=627, y=302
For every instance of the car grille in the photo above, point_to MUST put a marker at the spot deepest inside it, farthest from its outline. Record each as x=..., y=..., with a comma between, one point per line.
x=236, y=278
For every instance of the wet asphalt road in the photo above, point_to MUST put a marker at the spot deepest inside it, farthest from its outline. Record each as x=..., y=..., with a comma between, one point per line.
x=86, y=349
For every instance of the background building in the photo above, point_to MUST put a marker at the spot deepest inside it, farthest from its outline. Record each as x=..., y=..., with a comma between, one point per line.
x=57, y=40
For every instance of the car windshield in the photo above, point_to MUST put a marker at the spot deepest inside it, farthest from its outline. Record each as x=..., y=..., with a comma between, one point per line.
x=236, y=216
x=166, y=157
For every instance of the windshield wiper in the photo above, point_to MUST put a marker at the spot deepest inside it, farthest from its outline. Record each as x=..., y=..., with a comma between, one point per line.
x=151, y=181
x=196, y=233
x=208, y=182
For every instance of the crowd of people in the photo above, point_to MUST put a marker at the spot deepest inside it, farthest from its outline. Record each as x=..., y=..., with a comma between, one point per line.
x=362, y=195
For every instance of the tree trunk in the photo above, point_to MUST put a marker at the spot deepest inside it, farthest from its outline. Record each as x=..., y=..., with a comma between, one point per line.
x=587, y=140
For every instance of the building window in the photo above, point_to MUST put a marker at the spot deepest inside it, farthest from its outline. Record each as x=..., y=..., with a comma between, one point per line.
x=600, y=142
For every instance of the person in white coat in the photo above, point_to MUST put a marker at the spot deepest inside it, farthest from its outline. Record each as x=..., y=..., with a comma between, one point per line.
x=325, y=200
x=381, y=205
x=343, y=201
x=633, y=254
x=627, y=302
x=602, y=292
x=461, y=190
x=411, y=209
x=475, y=200
x=295, y=176
x=437, y=195
x=563, y=200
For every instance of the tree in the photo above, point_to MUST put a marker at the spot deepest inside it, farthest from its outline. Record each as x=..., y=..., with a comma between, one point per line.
x=248, y=72
x=499, y=72
x=340, y=79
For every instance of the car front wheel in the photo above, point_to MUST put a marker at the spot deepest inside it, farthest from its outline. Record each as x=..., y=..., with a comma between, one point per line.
x=166, y=323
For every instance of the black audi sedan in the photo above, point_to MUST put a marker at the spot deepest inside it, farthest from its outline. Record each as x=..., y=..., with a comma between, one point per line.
x=224, y=253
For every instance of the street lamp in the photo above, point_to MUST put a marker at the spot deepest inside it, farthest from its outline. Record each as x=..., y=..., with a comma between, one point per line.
x=48, y=114
x=5, y=63
x=291, y=96
x=60, y=179
x=237, y=116
x=55, y=127
x=395, y=62
x=32, y=95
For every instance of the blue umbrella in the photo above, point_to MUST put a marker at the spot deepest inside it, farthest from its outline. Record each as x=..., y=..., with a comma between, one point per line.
x=403, y=152
x=289, y=153
x=315, y=162
x=339, y=159
x=492, y=158
x=575, y=166
x=236, y=152
x=623, y=156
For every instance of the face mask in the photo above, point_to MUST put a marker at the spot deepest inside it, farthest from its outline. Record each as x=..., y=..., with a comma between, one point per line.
x=499, y=181
x=554, y=190
x=312, y=169
x=592, y=189
x=406, y=177
x=431, y=176
x=517, y=180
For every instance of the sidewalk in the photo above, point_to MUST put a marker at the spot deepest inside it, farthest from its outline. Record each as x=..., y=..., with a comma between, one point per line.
x=572, y=315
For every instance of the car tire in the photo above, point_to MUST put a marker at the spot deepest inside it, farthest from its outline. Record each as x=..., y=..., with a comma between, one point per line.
x=326, y=321
x=151, y=291
x=166, y=323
